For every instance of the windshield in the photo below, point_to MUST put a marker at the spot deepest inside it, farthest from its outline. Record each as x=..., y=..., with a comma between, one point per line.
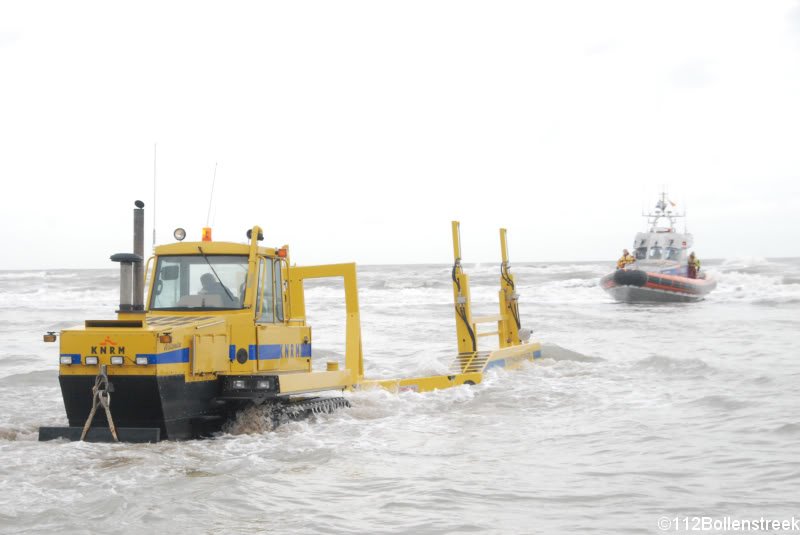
x=673, y=253
x=196, y=281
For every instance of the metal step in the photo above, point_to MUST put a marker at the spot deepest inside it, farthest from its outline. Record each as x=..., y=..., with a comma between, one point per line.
x=470, y=362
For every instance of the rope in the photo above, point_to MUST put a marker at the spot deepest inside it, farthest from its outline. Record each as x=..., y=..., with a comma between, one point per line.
x=102, y=396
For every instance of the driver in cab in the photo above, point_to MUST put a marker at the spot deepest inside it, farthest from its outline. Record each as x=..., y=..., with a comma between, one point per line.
x=211, y=286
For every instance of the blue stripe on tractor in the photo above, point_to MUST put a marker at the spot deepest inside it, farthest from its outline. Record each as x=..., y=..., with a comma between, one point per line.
x=273, y=351
x=264, y=352
x=269, y=351
x=170, y=357
x=76, y=357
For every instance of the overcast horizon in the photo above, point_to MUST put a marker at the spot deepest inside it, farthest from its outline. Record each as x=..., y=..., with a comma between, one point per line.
x=357, y=130
x=112, y=266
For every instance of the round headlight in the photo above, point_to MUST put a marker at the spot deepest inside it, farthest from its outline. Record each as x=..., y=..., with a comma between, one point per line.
x=179, y=234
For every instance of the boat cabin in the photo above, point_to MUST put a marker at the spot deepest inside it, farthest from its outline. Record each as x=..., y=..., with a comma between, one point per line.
x=662, y=245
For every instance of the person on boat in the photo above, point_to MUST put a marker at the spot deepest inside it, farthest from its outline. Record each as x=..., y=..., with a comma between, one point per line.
x=625, y=259
x=693, y=266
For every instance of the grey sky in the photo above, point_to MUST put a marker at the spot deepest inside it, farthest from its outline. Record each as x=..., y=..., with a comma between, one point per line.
x=358, y=130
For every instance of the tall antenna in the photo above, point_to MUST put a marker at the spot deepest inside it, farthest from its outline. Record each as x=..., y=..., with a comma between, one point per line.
x=211, y=199
x=155, y=153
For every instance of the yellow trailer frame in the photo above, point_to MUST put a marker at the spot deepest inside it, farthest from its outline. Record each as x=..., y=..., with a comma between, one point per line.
x=469, y=365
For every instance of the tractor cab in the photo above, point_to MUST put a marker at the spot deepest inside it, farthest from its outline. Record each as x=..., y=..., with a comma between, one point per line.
x=217, y=276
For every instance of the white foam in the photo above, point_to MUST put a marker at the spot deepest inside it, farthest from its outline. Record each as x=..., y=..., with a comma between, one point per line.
x=752, y=287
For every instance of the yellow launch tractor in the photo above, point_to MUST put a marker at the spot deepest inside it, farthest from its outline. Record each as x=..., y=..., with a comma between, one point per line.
x=224, y=327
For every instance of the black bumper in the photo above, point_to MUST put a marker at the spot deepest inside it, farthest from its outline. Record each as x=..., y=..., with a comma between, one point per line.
x=179, y=410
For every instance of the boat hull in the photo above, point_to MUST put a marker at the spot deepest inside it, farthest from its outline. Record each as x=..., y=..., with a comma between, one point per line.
x=637, y=286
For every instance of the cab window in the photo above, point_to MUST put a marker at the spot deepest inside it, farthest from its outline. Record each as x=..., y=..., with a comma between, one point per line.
x=184, y=282
x=266, y=306
x=278, y=290
x=655, y=252
x=641, y=253
x=270, y=291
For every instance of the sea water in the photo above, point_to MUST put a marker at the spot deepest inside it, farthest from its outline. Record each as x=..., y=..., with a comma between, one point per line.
x=635, y=414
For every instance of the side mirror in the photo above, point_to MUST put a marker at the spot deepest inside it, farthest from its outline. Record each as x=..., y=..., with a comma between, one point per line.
x=170, y=273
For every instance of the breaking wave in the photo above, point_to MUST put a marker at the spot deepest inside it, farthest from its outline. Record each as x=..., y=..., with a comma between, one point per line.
x=558, y=353
x=672, y=365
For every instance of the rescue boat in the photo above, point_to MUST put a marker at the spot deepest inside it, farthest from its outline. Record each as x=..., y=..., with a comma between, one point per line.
x=224, y=328
x=660, y=271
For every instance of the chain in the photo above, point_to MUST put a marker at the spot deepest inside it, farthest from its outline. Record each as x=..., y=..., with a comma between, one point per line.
x=101, y=395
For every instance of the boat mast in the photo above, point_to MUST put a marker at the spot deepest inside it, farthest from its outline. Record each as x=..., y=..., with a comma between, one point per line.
x=663, y=210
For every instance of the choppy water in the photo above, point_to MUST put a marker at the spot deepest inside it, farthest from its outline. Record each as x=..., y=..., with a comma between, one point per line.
x=635, y=412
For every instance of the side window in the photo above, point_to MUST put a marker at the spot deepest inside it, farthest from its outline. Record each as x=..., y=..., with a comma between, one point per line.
x=641, y=253
x=266, y=301
x=167, y=288
x=278, y=291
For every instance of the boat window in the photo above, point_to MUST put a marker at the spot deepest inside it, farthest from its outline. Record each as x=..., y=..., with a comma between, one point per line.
x=184, y=282
x=673, y=253
x=655, y=252
x=641, y=253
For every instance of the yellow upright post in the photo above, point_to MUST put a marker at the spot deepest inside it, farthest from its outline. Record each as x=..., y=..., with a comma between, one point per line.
x=252, y=269
x=465, y=331
x=508, y=327
x=297, y=298
x=353, y=353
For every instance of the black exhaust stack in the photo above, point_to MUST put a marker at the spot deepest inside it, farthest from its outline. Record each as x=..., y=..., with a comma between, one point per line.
x=131, y=267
